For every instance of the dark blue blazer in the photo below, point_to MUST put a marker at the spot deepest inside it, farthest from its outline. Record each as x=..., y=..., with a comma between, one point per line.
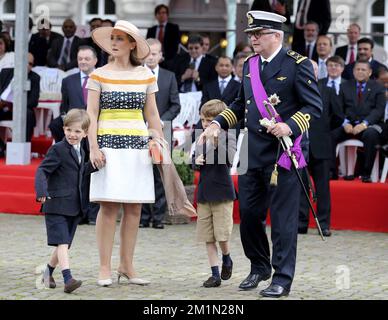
x=59, y=177
x=167, y=98
x=72, y=96
x=215, y=183
x=375, y=65
x=293, y=80
x=211, y=91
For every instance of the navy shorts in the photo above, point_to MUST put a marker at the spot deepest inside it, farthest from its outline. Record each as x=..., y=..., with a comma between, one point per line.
x=61, y=229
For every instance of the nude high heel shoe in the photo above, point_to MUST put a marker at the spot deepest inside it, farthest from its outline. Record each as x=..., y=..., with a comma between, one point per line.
x=137, y=281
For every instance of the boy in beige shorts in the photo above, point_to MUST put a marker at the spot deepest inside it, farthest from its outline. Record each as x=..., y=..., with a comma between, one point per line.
x=215, y=195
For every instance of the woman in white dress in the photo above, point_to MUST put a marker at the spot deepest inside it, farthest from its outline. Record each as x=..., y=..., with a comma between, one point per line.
x=7, y=59
x=121, y=97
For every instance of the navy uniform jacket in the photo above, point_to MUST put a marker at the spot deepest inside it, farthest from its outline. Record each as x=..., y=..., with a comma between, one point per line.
x=291, y=77
x=215, y=183
x=60, y=177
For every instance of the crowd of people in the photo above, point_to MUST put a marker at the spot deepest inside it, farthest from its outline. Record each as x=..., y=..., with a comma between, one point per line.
x=326, y=95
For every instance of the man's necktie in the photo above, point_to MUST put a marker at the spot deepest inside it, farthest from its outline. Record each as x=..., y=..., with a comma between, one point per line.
x=322, y=70
x=274, y=2
x=308, y=51
x=85, y=90
x=161, y=33
x=351, y=58
x=78, y=151
x=263, y=65
x=66, y=52
x=188, y=84
x=222, y=86
x=359, y=92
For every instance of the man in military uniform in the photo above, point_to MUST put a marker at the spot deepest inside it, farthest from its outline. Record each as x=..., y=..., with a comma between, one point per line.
x=290, y=76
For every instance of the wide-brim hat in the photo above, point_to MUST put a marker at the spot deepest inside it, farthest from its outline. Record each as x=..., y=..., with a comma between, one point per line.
x=101, y=36
x=258, y=20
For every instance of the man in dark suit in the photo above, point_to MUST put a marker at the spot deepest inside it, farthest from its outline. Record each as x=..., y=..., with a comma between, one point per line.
x=94, y=24
x=349, y=52
x=275, y=6
x=41, y=42
x=193, y=70
x=290, y=76
x=167, y=101
x=167, y=33
x=6, y=77
x=364, y=52
x=363, y=103
x=320, y=151
x=318, y=11
x=309, y=45
x=63, y=52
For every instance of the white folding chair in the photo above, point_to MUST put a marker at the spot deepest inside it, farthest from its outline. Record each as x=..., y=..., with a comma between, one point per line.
x=347, y=152
x=385, y=171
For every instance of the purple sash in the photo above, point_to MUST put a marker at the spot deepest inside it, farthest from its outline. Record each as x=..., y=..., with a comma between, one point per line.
x=260, y=95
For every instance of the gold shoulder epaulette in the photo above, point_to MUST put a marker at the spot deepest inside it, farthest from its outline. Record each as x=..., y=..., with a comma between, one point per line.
x=298, y=57
x=250, y=56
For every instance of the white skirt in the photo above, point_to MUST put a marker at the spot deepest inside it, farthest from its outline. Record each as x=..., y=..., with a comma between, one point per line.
x=126, y=178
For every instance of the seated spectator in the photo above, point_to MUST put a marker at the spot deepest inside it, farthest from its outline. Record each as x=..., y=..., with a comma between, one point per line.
x=94, y=24
x=364, y=52
x=63, y=52
x=41, y=42
x=194, y=69
x=6, y=98
x=275, y=6
x=11, y=43
x=7, y=58
x=206, y=46
x=382, y=77
x=238, y=65
x=308, y=48
x=349, y=52
x=167, y=33
x=335, y=66
x=107, y=23
x=363, y=103
x=324, y=47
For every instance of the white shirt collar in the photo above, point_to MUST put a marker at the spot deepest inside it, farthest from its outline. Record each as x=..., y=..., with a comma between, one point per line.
x=197, y=61
x=155, y=71
x=272, y=56
x=227, y=79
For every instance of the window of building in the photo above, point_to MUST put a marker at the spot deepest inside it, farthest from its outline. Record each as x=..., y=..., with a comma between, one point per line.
x=105, y=9
x=7, y=14
x=377, y=22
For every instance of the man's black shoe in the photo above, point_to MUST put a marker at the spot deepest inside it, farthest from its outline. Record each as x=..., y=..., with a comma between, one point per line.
x=326, y=232
x=333, y=176
x=91, y=222
x=144, y=225
x=366, y=179
x=158, y=226
x=302, y=230
x=226, y=271
x=274, y=291
x=252, y=281
x=212, y=282
x=349, y=178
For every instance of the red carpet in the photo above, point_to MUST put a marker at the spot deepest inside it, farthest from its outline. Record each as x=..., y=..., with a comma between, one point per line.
x=355, y=206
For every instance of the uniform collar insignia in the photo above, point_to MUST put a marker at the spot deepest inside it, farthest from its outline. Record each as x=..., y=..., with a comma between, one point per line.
x=248, y=75
x=281, y=78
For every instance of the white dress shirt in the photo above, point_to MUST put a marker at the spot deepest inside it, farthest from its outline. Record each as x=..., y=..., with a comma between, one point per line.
x=349, y=51
x=155, y=71
x=337, y=83
x=322, y=69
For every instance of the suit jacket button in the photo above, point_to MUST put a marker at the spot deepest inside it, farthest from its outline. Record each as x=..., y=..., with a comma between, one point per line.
x=246, y=110
x=248, y=101
x=260, y=130
x=245, y=129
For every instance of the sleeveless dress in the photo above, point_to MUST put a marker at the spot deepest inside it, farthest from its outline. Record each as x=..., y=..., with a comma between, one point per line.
x=122, y=136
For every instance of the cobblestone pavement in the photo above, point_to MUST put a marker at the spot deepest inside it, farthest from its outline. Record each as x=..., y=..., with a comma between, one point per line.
x=350, y=265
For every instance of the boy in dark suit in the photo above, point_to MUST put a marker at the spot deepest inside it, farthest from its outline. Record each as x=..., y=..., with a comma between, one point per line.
x=215, y=195
x=58, y=185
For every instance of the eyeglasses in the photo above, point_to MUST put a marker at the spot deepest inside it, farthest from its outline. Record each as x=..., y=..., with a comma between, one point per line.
x=258, y=34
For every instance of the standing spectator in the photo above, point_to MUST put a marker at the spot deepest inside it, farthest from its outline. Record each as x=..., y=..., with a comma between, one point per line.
x=308, y=47
x=242, y=47
x=364, y=52
x=238, y=65
x=167, y=33
x=308, y=10
x=206, y=46
x=6, y=80
x=7, y=58
x=41, y=42
x=167, y=100
x=275, y=6
x=58, y=183
x=324, y=48
x=120, y=100
x=215, y=195
x=349, y=52
x=193, y=70
x=63, y=52
x=94, y=24
x=225, y=88
x=363, y=103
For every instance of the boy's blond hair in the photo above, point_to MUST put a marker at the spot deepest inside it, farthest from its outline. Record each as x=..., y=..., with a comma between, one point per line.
x=212, y=108
x=77, y=116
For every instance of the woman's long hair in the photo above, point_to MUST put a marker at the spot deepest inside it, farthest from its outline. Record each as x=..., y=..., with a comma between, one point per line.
x=133, y=55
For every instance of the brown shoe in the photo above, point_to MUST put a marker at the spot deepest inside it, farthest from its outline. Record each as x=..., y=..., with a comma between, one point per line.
x=72, y=285
x=226, y=271
x=212, y=282
x=48, y=280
